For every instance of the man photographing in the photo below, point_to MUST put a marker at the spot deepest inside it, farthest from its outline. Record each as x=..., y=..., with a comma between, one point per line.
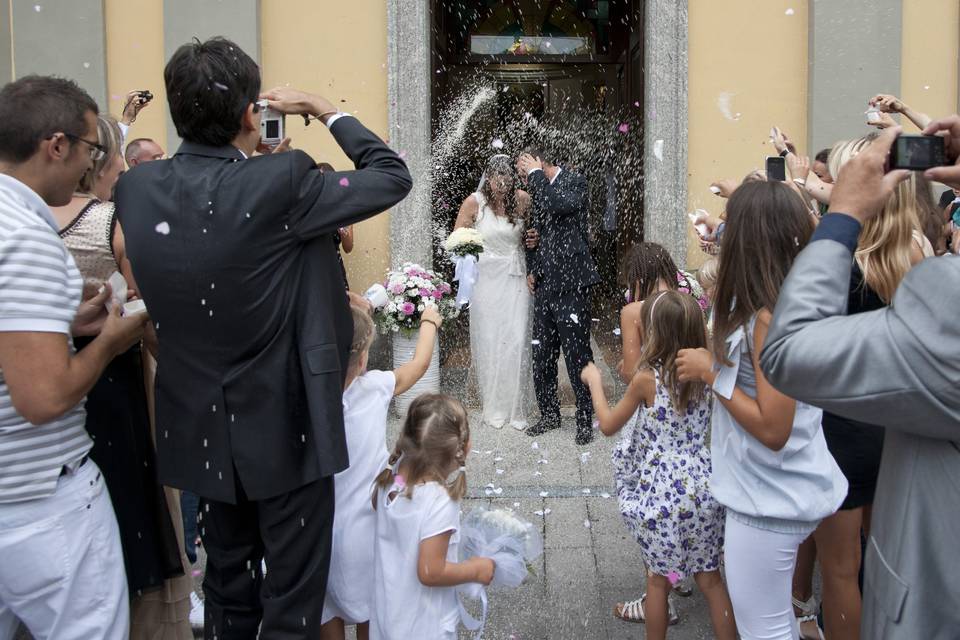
x=235, y=260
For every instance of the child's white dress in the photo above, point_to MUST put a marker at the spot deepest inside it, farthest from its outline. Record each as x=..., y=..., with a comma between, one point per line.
x=403, y=608
x=350, y=583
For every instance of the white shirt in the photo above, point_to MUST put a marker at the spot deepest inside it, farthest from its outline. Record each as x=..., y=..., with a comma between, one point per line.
x=403, y=608
x=41, y=288
x=366, y=403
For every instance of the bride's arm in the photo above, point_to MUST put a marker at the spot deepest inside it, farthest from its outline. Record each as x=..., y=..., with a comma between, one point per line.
x=468, y=213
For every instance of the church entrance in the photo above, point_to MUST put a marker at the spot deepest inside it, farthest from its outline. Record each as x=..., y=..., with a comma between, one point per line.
x=566, y=74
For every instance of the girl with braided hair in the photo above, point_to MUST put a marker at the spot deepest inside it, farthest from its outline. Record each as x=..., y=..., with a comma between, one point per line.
x=417, y=503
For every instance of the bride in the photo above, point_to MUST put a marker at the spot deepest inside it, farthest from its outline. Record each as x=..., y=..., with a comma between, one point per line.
x=500, y=304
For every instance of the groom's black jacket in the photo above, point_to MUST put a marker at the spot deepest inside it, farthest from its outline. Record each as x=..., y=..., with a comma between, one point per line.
x=562, y=261
x=248, y=299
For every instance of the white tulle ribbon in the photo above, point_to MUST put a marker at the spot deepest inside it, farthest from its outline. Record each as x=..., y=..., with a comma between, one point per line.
x=473, y=591
x=466, y=272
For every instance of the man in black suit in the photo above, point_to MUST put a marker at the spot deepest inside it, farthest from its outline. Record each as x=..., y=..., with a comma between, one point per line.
x=234, y=258
x=560, y=273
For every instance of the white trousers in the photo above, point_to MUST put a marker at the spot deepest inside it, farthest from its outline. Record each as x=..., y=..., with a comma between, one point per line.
x=61, y=565
x=759, y=572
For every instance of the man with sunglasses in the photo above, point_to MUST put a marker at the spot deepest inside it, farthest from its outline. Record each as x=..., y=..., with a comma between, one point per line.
x=234, y=256
x=59, y=539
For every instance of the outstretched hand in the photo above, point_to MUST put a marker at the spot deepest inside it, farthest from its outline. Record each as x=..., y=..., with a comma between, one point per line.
x=863, y=188
x=949, y=128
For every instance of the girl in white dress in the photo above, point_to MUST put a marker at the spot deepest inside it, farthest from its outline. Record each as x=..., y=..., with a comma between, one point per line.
x=366, y=400
x=501, y=300
x=417, y=501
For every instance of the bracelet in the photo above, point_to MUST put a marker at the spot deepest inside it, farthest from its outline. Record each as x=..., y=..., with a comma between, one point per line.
x=307, y=118
x=430, y=322
x=785, y=153
x=800, y=181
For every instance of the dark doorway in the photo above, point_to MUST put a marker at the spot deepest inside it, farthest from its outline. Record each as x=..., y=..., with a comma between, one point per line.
x=568, y=66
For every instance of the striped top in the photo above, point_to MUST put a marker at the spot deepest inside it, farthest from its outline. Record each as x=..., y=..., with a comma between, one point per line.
x=40, y=290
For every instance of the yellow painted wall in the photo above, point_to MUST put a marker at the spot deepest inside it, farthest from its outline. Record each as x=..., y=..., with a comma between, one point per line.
x=928, y=72
x=755, y=54
x=135, y=60
x=337, y=49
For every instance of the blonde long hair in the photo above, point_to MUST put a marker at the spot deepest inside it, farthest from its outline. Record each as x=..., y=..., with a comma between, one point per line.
x=111, y=139
x=433, y=445
x=885, y=245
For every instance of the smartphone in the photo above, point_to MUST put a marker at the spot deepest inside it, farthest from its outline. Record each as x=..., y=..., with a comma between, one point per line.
x=917, y=153
x=776, y=168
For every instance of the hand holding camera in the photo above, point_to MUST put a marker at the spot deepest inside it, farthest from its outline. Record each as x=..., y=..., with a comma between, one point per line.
x=289, y=101
x=136, y=100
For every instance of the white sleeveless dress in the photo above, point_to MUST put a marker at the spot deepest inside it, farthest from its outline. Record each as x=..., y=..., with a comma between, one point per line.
x=500, y=322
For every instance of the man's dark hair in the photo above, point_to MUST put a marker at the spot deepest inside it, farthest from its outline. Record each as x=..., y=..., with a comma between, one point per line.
x=822, y=156
x=539, y=151
x=209, y=86
x=34, y=108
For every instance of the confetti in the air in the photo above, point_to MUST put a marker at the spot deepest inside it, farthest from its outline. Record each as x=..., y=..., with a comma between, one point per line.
x=624, y=128
x=344, y=182
x=497, y=143
x=163, y=228
x=575, y=318
x=789, y=12
x=617, y=331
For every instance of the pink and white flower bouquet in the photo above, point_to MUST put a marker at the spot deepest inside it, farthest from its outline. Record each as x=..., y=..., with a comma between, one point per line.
x=409, y=290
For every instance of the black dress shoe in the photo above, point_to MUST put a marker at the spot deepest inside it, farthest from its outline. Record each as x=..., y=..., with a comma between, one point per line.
x=546, y=423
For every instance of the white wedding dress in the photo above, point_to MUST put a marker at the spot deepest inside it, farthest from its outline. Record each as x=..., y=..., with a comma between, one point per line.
x=500, y=322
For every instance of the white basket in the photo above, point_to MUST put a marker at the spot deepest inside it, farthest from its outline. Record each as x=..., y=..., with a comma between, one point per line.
x=403, y=350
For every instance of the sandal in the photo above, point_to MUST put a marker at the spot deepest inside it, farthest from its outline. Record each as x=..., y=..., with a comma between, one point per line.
x=683, y=589
x=632, y=611
x=808, y=615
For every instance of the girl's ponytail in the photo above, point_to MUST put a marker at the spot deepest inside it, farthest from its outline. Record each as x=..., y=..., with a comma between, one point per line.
x=386, y=477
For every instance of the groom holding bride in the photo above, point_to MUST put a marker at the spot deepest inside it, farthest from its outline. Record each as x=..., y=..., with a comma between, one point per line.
x=560, y=272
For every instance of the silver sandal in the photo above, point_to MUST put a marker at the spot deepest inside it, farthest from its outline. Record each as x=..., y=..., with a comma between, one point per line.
x=632, y=611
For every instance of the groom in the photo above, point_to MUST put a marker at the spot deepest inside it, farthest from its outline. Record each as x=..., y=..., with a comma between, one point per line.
x=560, y=272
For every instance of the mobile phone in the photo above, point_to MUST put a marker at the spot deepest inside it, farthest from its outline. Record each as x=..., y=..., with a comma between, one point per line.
x=917, y=153
x=776, y=168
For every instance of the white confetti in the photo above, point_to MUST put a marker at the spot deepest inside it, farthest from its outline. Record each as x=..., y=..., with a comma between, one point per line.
x=37, y=8
x=586, y=492
x=789, y=12
x=584, y=456
x=488, y=451
x=546, y=512
x=488, y=492
x=497, y=143
x=576, y=320
x=538, y=512
x=86, y=65
x=498, y=490
x=499, y=472
x=586, y=523
x=926, y=87
x=534, y=342
x=537, y=473
x=658, y=150
x=544, y=494
x=163, y=228
x=535, y=445
x=491, y=486
x=724, y=103
x=516, y=504
x=604, y=495
x=497, y=459
x=617, y=331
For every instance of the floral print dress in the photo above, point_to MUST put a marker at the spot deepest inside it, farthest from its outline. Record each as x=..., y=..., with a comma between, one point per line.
x=662, y=471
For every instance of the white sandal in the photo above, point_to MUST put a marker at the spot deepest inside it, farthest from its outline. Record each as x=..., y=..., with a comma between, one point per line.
x=808, y=613
x=632, y=611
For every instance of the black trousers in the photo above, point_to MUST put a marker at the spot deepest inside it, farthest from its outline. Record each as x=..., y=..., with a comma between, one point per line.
x=561, y=320
x=293, y=533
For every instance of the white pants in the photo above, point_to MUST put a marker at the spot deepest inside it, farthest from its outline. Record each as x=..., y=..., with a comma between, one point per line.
x=759, y=571
x=61, y=565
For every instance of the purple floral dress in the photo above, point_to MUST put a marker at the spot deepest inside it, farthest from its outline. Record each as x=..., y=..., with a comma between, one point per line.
x=662, y=471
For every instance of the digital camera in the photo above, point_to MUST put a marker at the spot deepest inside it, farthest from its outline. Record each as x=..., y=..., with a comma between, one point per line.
x=272, y=125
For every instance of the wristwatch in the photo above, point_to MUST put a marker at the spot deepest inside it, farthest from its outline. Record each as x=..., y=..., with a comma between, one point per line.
x=783, y=154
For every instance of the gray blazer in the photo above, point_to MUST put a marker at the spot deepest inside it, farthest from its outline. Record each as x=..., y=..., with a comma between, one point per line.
x=898, y=367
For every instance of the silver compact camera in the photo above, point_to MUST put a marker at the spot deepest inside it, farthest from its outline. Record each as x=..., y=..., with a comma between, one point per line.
x=272, y=125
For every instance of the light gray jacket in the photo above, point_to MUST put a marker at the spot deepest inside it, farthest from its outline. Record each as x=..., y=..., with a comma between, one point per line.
x=898, y=367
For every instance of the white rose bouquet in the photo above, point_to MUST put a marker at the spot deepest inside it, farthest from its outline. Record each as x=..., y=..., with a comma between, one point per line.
x=463, y=242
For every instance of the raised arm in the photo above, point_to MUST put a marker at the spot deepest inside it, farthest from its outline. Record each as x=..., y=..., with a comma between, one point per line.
x=891, y=367
x=408, y=374
x=322, y=202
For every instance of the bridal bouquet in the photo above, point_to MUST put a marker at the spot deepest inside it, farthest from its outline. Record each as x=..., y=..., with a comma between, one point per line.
x=408, y=291
x=463, y=242
x=464, y=246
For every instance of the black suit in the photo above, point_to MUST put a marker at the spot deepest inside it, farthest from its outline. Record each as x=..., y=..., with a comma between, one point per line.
x=564, y=272
x=254, y=329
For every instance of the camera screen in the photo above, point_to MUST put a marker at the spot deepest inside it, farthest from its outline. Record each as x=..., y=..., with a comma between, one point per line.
x=273, y=129
x=916, y=152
